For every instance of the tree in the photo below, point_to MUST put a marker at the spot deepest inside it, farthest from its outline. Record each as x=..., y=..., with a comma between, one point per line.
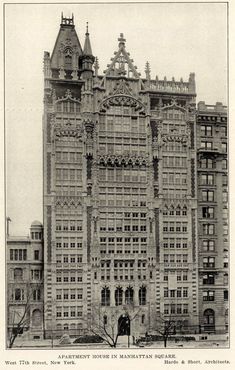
x=169, y=324
x=110, y=328
x=20, y=321
x=20, y=316
x=166, y=328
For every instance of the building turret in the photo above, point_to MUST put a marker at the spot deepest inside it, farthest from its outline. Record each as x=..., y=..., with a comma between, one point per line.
x=87, y=76
x=87, y=58
x=36, y=231
x=67, y=51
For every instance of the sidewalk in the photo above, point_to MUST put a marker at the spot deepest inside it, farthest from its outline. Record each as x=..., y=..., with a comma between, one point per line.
x=122, y=344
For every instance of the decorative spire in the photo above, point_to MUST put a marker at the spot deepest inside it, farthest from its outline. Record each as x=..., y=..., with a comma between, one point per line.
x=121, y=40
x=147, y=70
x=87, y=45
x=96, y=66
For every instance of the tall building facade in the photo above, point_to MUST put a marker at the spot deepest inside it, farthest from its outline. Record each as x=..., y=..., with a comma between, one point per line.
x=212, y=216
x=121, y=222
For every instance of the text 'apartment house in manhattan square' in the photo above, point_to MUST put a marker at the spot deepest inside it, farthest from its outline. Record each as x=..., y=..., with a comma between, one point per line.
x=124, y=210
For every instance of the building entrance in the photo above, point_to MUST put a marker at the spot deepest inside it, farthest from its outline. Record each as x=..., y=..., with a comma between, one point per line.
x=124, y=327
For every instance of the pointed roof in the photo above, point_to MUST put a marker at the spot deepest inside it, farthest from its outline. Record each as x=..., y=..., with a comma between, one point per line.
x=122, y=64
x=67, y=39
x=87, y=45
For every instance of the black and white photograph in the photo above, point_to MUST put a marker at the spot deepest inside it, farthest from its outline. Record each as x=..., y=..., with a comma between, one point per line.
x=116, y=177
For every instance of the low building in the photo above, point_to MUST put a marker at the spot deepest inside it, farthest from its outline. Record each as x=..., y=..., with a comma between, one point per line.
x=25, y=283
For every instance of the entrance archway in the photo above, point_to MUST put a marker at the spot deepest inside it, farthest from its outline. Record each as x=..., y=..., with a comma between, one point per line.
x=124, y=325
x=209, y=320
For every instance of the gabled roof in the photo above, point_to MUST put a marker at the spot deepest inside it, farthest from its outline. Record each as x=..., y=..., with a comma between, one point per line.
x=122, y=64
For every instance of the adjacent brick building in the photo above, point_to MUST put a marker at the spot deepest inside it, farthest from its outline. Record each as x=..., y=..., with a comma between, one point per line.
x=213, y=240
x=25, y=283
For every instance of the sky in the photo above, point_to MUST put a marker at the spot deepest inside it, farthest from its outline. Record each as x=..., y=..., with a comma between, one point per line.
x=176, y=39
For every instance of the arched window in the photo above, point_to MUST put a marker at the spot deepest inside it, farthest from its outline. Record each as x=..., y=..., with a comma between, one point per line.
x=58, y=327
x=105, y=297
x=142, y=296
x=66, y=327
x=118, y=296
x=129, y=296
x=184, y=212
x=73, y=326
x=209, y=320
x=178, y=211
x=165, y=211
x=225, y=278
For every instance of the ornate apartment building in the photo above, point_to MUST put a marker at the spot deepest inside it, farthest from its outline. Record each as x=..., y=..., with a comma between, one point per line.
x=127, y=210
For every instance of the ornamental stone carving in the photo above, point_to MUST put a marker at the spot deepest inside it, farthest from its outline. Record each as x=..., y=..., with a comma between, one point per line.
x=175, y=137
x=120, y=160
x=67, y=129
x=68, y=201
x=122, y=100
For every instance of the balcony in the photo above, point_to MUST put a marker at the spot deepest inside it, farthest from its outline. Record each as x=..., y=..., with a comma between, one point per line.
x=208, y=150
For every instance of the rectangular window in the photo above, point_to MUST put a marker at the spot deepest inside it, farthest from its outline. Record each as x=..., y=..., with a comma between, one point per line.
x=224, y=164
x=207, y=163
x=208, y=279
x=208, y=245
x=206, y=130
x=209, y=295
x=207, y=212
x=223, y=131
x=208, y=262
x=208, y=195
x=224, y=147
x=185, y=308
x=208, y=229
x=207, y=179
x=206, y=144
x=225, y=196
